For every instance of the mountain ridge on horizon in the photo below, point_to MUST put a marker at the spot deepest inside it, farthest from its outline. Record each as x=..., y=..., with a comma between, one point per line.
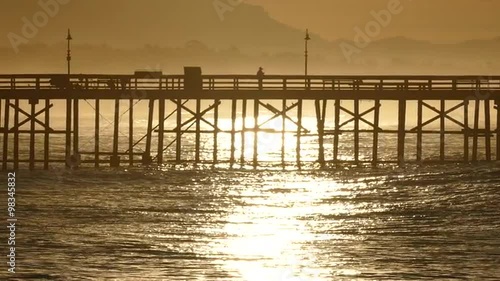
x=120, y=24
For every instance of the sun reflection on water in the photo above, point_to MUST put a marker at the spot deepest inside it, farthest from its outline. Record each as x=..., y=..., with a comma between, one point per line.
x=267, y=238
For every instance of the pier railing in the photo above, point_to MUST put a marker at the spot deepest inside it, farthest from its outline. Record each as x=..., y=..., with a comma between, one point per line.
x=250, y=82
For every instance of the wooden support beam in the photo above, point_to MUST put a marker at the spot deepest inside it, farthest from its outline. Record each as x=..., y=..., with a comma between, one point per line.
x=278, y=113
x=233, y=131
x=198, y=129
x=498, y=129
x=216, y=131
x=68, y=132
x=76, y=126
x=442, y=136
x=131, y=132
x=320, y=122
x=178, y=144
x=32, y=136
x=487, y=123
x=299, y=133
x=475, y=140
x=97, y=132
x=419, y=130
x=161, y=130
x=355, y=117
x=46, y=144
x=401, y=131
x=243, y=130
x=440, y=115
x=466, y=131
x=149, y=135
x=115, y=161
x=201, y=115
x=376, y=122
x=283, y=130
x=356, y=130
x=16, y=134
x=337, y=131
x=6, y=126
x=256, y=133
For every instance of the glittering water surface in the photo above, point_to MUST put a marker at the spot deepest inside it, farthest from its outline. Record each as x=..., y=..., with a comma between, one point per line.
x=431, y=222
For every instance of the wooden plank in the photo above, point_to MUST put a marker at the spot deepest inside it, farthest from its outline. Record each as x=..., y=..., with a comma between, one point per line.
x=271, y=94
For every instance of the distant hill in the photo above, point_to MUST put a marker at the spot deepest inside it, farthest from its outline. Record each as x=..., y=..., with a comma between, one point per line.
x=133, y=24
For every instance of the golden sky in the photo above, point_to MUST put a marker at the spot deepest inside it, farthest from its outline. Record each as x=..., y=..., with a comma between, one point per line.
x=436, y=20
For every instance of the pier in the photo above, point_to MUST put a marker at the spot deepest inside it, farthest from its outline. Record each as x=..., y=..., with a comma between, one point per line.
x=342, y=105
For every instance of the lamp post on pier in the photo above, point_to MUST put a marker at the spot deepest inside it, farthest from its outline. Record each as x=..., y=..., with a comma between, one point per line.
x=306, y=53
x=68, y=56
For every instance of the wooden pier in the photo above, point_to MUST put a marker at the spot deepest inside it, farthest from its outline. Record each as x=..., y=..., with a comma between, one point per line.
x=343, y=105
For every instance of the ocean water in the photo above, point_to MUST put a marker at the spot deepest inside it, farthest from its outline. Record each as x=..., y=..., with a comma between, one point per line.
x=428, y=222
x=438, y=222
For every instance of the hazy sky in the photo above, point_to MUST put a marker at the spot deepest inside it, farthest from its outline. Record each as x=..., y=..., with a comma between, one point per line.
x=436, y=20
x=174, y=22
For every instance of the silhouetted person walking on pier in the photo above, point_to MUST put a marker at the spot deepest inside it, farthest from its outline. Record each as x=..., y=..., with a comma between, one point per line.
x=260, y=76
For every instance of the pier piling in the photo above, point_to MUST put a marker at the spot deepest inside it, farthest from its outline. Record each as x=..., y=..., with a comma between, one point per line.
x=21, y=94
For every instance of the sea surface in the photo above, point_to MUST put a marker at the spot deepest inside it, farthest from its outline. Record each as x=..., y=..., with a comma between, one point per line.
x=416, y=222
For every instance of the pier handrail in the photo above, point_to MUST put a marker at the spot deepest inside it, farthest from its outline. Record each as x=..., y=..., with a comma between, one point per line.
x=251, y=82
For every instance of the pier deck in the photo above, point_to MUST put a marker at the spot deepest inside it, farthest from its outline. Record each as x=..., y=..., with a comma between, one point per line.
x=26, y=104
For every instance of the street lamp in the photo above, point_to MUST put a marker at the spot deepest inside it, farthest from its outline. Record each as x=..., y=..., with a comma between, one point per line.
x=68, y=57
x=306, y=52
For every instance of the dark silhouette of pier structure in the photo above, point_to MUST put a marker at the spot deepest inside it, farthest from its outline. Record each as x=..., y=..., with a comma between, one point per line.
x=27, y=102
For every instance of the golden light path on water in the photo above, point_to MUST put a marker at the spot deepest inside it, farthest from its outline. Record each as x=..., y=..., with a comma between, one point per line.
x=267, y=236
